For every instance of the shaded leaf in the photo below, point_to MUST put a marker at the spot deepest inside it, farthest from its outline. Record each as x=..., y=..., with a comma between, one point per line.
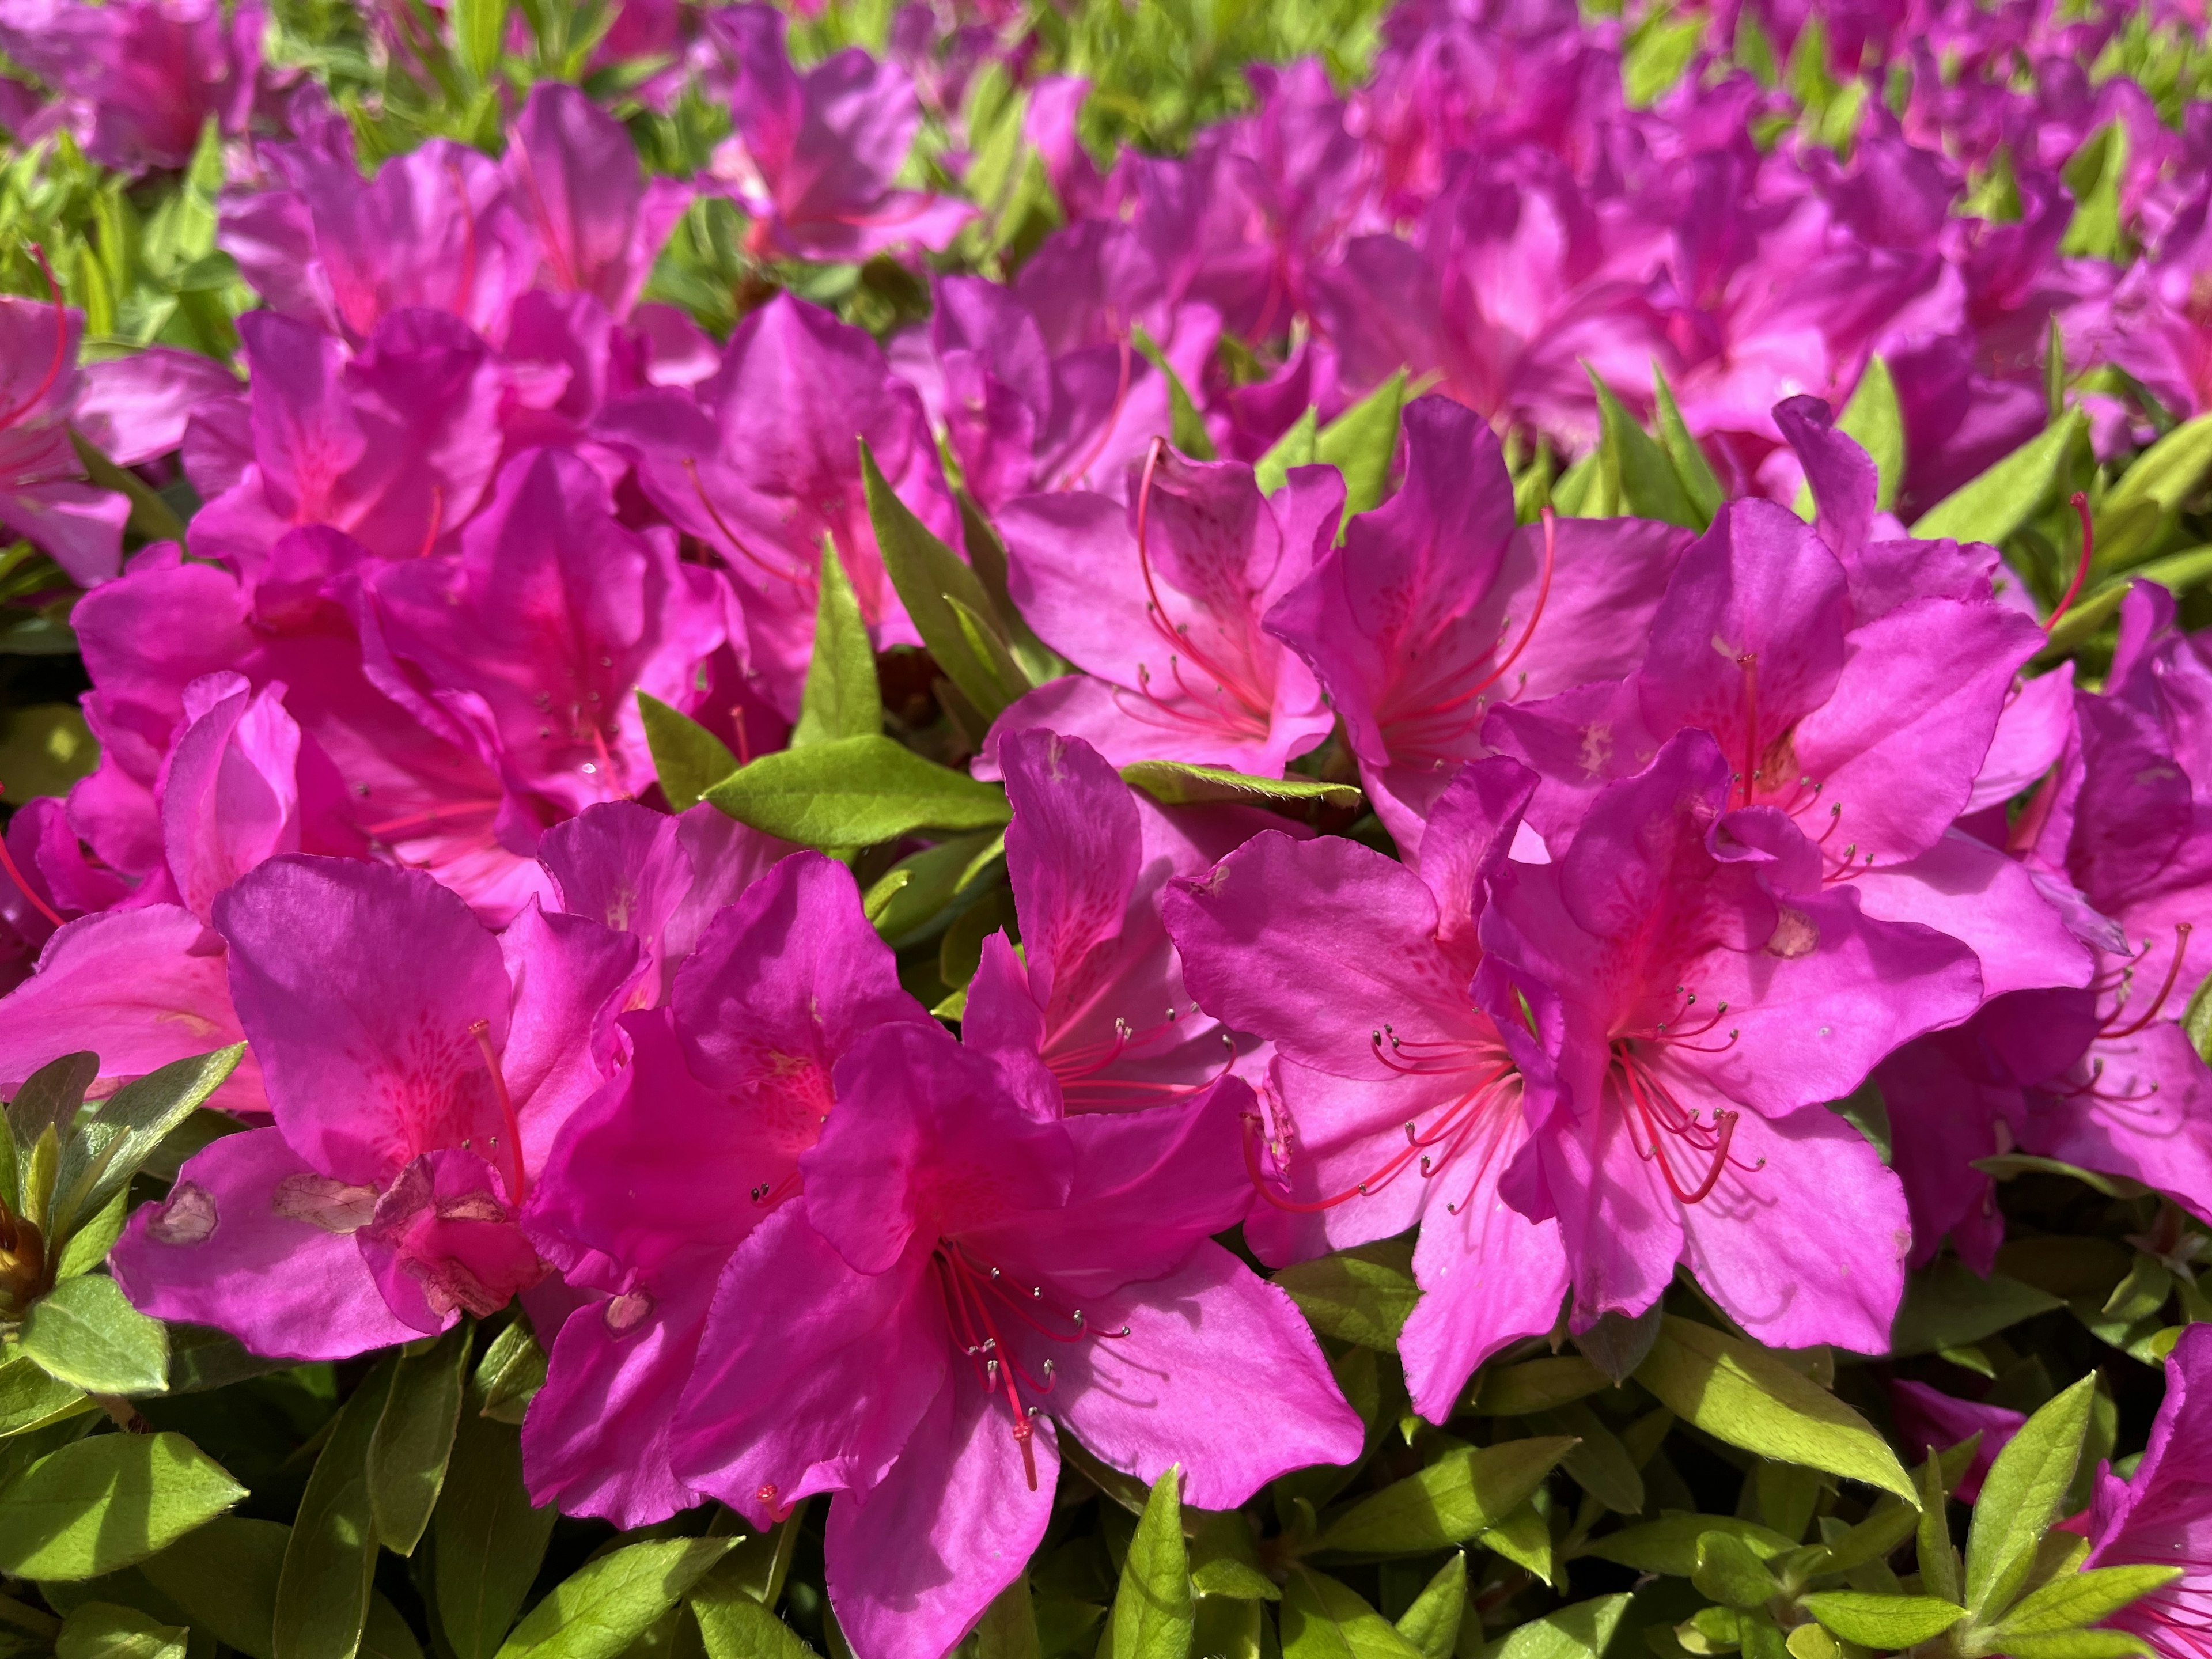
x=486, y=1539
x=1580, y=1631
x=86, y=1332
x=101, y=1630
x=1536, y=1385
x=1448, y=1503
x=603, y=1606
x=108, y=1502
x=1361, y=1295
x=844, y=697
x=1322, y=1619
x=689, y=759
x=1432, y=1623
x=322, y=1594
x=223, y=1576
x=414, y=1439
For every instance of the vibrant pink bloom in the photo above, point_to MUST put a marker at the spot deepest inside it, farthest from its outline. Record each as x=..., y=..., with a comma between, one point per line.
x=575, y=177
x=418, y=1067
x=965, y=1271
x=725, y=1088
x=140, y=78
x=1702, y=991
x=1395, y=1099
x=43, y=495
x=1160, y=603
x=1436, y=608
x=814, y=154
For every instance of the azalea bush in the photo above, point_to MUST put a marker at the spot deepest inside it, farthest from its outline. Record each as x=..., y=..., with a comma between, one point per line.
x=1287, y=831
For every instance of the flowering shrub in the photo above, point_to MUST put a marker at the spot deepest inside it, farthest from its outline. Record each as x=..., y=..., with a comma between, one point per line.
x=1298, y=831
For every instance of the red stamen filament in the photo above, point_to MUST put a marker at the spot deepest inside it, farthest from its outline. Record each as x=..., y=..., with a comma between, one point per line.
x=8, y=863
x=1076, y=475
x=2091, y=1092
x=1451, y=1125
x=2181, y=932
x=519, y=1189
x=1658, y=1110
x=429, y=820
x=468, y=287
x=1535, y=616
x=1255, y=706
x=61, y=344
x=691, y=467
x=1748, y=662
x=2080, y=505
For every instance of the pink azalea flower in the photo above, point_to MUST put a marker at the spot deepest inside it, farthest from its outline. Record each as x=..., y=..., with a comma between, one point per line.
x=43, y=495
x=1160, y=603
x=723, y=1090
x=814, y=154
x=965, y=1273
x=1436, y=608
x=1929, y=1420
x=418, y=1067
x=140, y=78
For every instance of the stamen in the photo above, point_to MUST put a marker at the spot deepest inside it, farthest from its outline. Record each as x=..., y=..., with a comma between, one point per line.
x=61, y=344
x=1448, y=1131
x=8, y=863
x=1076, y=475
x=519, y=1189
x=1535, y=616
x=2181, y=932
x=1179, y=639
x=1661, y=1114
x=1748, y=662
x=2080, y=503
x=691, y=468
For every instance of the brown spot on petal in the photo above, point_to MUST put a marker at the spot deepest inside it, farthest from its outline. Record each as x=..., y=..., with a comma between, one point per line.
x=1795, y=935
x=325, y=1201
x=1597, y=747
x=188, y=1217
x=626, y=1312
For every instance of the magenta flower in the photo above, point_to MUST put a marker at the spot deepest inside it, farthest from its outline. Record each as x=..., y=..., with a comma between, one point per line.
x=1395, y=1099
x=418, y=1067
x=1436, y=608
x=140, y=78
x=966, y=1272
x=575, y=177
x=1702, y=991
x=814, y=155
x=764, y=463
x=1929, y=1420
x=1097, y=991
x=1160, y=603
x=725, y=1089
x=43, y=495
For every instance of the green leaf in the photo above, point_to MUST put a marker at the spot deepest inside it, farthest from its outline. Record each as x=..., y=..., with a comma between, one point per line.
x=1322, y=1619
x=1361, y=1295
x=1699, y=481
x=85, y=1331
x=1647, y=485
x=930, y=577
x=414, y=1439
x=1731, y=1571
x=387, y=1635
x=1008, y=1629
x=1990, y=507
x=2175, y=571
x=1599, y=1463
x=2139, y=508
x=1889, y=1525
x=1153, y=1607
x=1432, y=1623
x=51, y=1095
x=856, y=792
x=150, y=516
x=842, y=698
x=1949, y=1306
x=1892, y=1623
x=88, y=1245
x=1669, y=1547
x=1186, y=427
x=1223, y=1560
x=739, y=1627
x=108, y=1502
x=223, y=1577
x=1536, y=1385
x=486, y=1540
x=1297, y=447
x=1738, y=1393
x=603, y=1607
x=690, y=759
x=1180, y=783
x=1939, y=1556
x=510, y=1374
x=322, y=1594
x=1524, y=1538
x=2082, y=1644
x=30, y=1396
x=1583, y=1631
x=479, y=31
x=1363, y=442
x=2019, y=1500
x=1457, y=1496
x=2074, y=1599
x=101, y=1630
x=124, y=1131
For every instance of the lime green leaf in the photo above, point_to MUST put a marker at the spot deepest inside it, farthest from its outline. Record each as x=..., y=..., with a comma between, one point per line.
x=2019, y=1500
x=101, y=1630
x=689, y=758
x=1599, y=1463
x=387, y=1635
x=1669, y=1547
x=1297, y=447
x=1647, y=483
x=93, y=1237
x=123, y=1130
x=1939, y=1556
x=2150, y=492
x=1892, y=1522
x=322, y=1594
x=2074, y=1599
x=1739, y=1394
x=2081, y=1644
x=1361, y=1295
x=510, y=1374
x=739, y=1627
x=1322, y=1619
x=1455, y=1498
x=842, y=698
x=1224, y=1560
x=1432, y=1623
x=414, y=1439
x=856, y=792
x=1890, y=1622
x=930, y=577
x=917, y=890
x=108, y=1502
x=1179, y=783
x=1698, y=480
x=2175, y=571
x=1731, y=1571
x=1990, y=507
x=85, y=1331
x=1363, y=442
x=1536, y=1385
x=1809, y=1641
x=30, y=1396
x=1583, y=1631
x=603, y=1607
x=223, y=1577
x=1153, y=1607
x=486, y=1540
x=479, y=30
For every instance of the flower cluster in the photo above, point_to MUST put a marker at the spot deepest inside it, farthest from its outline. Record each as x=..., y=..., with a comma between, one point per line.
x=875, y=879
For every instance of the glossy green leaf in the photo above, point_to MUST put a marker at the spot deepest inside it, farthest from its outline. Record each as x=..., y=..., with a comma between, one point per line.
x=1008, y=1629
x=1731, y=1571
x=509, y=1374
x=2020, y=1499
x=151, y=516
x=52, y=1095
x=322, y=1594
x=1583, y=1631
x=1153, y=1609
x=689, y=759
x=1448, y=1503
x=108, y=1502
x=2137, y=508
x=1940, y=1574
x=1536, y=1385
x=86, y=1332
x=1432, y=1623
x=223, y=1576
x=1324, y=1618
x=1647, y=483
x=486, y=1540
x=1947, y=1305
x=1669, y=1545
x=1698, y=480
x=123, y=1131
x=1990, y=507
x=1180, y=783
x=1299, y=447
x=844, y=697
x=856, y=792
x=30, y=1396
x=2077, y=1598
x=1361, y=1295
x=1889, y=1622
x=739, y=1627
x=1741, y=1393
x=1362, y=443
x=93, y=1237
x=2081, y=1644
x=101, y=1630
x=603, y=1607
x=408, y=1454
x=1524, y=1538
